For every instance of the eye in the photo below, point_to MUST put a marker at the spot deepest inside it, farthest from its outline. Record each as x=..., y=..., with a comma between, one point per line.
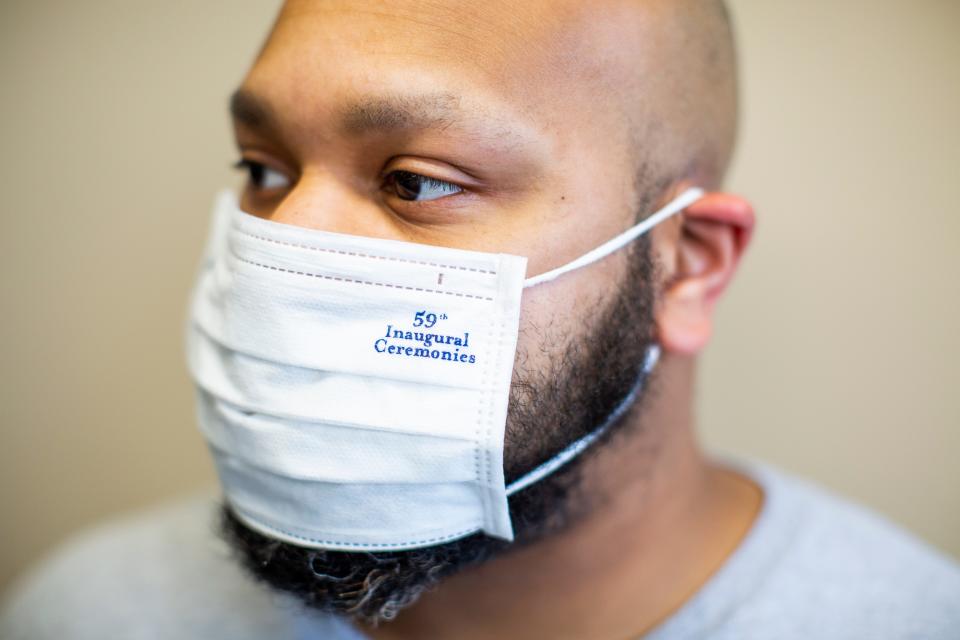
x=262, y=177
x=407, y=185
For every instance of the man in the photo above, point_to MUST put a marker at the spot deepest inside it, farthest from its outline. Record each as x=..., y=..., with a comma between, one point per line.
x=540, y=129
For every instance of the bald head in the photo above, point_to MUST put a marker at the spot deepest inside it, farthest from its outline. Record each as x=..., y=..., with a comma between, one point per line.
x=690, y=112
x=661, y=71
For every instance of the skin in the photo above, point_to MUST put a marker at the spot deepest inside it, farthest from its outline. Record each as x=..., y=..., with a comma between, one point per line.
x=541, y=114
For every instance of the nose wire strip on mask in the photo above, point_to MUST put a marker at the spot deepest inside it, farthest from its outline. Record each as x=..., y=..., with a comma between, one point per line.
x=677, y=205
x=578, y=446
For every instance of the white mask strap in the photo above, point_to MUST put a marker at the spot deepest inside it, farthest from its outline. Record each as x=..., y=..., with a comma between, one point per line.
x=676, y=205
x=577, y=446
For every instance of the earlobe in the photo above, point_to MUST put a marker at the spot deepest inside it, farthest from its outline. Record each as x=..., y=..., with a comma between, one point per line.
x=712, y=238
x=684, y=323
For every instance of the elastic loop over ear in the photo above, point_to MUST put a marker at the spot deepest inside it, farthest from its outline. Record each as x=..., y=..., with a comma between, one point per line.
x=675, y=206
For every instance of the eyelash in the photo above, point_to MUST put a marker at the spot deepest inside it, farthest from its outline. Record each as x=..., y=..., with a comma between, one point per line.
x=396, y=178
x=257, y=173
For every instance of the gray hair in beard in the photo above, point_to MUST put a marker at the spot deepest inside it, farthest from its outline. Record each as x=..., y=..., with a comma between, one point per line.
x=547, y=411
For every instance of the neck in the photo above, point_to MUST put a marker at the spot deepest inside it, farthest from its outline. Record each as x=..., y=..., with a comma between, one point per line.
x=665, y=521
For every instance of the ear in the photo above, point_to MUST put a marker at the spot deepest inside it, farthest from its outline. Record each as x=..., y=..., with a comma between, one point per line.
x=700, y=260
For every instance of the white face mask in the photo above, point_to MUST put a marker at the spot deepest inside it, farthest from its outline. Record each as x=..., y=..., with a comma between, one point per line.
x=354, y=390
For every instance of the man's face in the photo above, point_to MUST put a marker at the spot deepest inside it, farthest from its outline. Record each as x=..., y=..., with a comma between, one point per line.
x=485, y=126
x=497, y=100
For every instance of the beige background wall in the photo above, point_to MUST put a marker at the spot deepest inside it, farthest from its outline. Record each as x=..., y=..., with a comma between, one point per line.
x=837, y=353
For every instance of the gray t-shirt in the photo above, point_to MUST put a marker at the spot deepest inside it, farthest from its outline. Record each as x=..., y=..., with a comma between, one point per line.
x=812, y=566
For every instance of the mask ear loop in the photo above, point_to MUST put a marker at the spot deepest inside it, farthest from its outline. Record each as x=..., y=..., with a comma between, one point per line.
x=577, y=447
x=675, y=206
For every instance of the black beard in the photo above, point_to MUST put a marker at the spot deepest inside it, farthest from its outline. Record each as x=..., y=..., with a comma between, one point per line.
x=547, y=411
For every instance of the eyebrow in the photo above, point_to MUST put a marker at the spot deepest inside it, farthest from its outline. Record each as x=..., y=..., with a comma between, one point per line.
x=397, y=113
x=369, y=114
x=248, y=109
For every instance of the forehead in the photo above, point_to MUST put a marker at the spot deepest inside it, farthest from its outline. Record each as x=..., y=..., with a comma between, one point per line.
x=478, y=39
x=540, y=63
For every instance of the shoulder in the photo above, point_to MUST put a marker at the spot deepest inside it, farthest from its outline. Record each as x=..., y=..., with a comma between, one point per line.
x=161, y=573
x=844, y=571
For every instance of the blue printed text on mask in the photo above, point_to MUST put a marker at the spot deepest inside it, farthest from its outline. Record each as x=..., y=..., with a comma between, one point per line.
x=459, y=344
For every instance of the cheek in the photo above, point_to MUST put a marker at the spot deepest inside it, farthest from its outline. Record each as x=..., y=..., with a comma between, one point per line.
x=557, y=313
x=545, y=323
